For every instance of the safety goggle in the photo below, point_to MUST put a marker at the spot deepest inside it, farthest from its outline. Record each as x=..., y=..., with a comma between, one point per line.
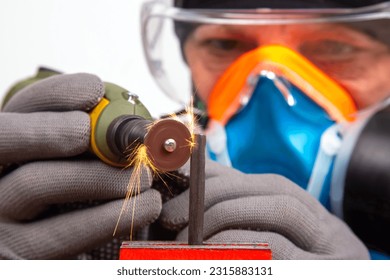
x=167, y=31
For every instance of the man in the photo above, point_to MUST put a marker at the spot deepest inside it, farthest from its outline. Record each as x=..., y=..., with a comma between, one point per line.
x=53, y=170
x=286, y=86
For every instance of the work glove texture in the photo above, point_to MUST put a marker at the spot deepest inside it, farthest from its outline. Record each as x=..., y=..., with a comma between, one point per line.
x=265, y=208
x=48, y=119
x=54, y=202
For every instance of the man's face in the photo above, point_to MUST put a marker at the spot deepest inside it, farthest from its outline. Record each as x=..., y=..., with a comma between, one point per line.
x=355, y=60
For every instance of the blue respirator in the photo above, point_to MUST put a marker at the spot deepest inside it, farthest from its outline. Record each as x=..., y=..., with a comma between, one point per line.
x=280, y=134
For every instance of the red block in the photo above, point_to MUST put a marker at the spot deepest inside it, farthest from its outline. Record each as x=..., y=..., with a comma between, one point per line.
x=136, y=250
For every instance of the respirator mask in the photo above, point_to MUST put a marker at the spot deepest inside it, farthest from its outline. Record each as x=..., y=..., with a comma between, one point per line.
x=289, y=92
x=273, y=111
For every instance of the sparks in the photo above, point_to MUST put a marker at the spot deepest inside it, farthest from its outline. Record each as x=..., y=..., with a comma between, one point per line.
x=140, y=162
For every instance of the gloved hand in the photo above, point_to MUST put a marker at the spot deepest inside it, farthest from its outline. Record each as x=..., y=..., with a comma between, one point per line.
x=48, y=120
x=265, y=208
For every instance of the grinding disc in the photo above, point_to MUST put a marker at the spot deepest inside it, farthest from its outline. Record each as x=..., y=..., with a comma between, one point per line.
x=157, y=135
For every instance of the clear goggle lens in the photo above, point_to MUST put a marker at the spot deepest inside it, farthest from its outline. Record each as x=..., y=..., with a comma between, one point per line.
x=350, y=45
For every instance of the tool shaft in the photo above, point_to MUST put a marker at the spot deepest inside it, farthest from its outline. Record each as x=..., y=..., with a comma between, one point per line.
x=197, y=191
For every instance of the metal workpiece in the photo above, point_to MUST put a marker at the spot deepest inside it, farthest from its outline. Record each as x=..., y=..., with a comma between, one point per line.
x=197, y=191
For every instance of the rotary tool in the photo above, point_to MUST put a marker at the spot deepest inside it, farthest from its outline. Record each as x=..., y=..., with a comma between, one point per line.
x=120, y=123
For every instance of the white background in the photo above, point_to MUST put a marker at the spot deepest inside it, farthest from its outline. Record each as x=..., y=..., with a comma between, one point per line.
x=95, y=36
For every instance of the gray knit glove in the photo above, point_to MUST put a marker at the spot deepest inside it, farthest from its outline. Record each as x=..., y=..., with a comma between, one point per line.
x=265, y=208
x=38, y=199
x=48, y=119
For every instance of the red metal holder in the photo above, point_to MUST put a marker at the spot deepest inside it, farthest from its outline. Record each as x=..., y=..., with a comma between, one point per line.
x=138, y=250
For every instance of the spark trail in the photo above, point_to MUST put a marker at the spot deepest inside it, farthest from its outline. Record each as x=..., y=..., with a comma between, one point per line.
x=141, y=163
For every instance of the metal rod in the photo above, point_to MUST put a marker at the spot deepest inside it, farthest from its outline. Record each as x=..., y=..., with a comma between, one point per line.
x=197, y=190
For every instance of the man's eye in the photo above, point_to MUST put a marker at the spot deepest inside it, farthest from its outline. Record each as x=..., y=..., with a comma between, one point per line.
x=329, y=49
x=222, y=44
